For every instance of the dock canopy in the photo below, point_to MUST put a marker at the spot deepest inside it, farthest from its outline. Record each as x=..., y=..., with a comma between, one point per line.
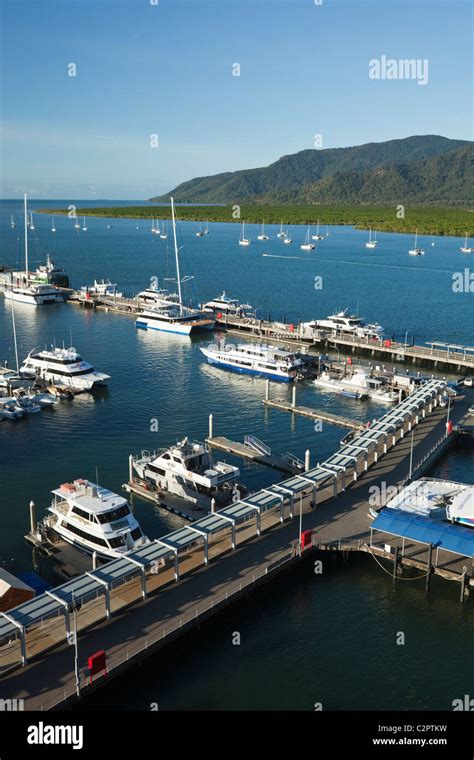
x=423, y=530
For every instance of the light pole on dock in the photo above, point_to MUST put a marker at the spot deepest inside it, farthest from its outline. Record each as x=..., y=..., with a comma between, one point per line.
x=448, y=415
x=411, y=454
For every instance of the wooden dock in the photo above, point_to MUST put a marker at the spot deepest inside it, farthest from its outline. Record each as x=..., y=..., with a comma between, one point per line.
x=171, y=503
x=314, y=414
x=247, y=452
x=67, y=561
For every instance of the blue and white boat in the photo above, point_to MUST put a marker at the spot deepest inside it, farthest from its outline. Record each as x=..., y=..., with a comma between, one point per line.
x=256, y=359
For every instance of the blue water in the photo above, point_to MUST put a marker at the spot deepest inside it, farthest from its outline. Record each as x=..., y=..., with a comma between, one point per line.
x=302, y=630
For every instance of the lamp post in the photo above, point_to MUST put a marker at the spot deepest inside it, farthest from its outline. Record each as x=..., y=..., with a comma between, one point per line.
x=448, y=414
x=73, y=640
x=411, y=454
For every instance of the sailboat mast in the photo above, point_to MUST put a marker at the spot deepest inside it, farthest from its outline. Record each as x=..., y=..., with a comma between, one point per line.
x=26, y=239
x=14, y=335
x=178, y=275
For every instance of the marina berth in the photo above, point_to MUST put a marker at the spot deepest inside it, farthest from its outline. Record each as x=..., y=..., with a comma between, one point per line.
x=63, y=367
x=189, y=471
x=94, y=519
x=254, y=359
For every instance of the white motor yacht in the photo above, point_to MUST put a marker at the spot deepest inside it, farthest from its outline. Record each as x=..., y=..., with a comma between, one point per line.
x=359, y=385
x=63, y=367
x=254, y=359
x=342, y=322
x=225, y=305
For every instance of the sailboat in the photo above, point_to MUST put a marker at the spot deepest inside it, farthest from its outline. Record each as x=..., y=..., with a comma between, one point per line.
x=206, y=231
x=327, y=230
x=77, y=225
x=53, y=228
x=317, y=236
x=262, y=235
x=243, y=240
x=415, y=251
x=307, y=246
x=281, y=234
x=175, y=317
x=200, y=233
x=23, y=291
x=32, y=226
x=164, y=232
x=12, y=222
x=286, y=238
x=433, y=242
x=371, y=243
x=84, y=228
x=465, y=248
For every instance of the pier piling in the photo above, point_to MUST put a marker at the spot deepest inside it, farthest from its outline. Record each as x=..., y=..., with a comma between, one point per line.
x=395, y=565
x=293, y=396
x=429, y=565
x=32, y=517
x=307, y=460
x=211, y=426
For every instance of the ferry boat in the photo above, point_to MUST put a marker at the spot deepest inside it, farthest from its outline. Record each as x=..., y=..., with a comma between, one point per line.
x=175, y=317
x=63, y=367
x=254, y=359
x=94, y=519
x=102, y=288
x=189, y=471
x=349, y=323
x=359, y=385
x=225, y=305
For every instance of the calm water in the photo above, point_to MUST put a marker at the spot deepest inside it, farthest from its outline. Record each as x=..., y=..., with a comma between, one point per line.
x=304, y=639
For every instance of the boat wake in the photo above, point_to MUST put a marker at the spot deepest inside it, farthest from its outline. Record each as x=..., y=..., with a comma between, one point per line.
x=276, y=256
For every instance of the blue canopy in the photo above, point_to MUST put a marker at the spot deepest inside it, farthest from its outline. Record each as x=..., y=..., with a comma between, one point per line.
x=451, y=538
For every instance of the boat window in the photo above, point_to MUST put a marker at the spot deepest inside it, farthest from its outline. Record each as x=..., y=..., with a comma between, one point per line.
x=166, y=456
x=177, y=459
x=113, y=514
x=83, y=534
x=82, y=513
x=116, y=542
x=136, y=534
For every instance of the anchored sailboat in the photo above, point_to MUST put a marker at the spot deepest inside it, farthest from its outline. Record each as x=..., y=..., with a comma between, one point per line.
x=307, y=246
x=243, y=240
x=465, y=248
x=415, y=251
x=371, y=243
x=262, y=235
x=281, y=234
x=317, y=236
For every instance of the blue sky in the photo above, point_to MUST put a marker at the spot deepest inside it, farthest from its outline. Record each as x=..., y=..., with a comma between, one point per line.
x=166, y=69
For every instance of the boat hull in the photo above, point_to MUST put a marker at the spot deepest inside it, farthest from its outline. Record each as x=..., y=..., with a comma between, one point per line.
x=249, y=370
x=174, y=327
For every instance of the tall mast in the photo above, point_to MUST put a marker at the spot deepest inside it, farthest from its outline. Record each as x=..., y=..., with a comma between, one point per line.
x=26, y=240
x=14, y=335
x=177, y=257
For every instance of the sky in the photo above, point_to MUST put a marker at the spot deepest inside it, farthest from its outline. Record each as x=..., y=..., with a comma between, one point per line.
x=151, y=71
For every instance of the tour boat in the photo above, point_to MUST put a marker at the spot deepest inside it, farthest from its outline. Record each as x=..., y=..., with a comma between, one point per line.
x=25, y=292
x=243, y=240
x=262, y=235
x=175, y=317
x=189, y=471
x=465, y=248
x=94, y=519
x=307, y=246
x=64, y=367
x=415, y=251
x=371, y=243
x=225, y=305
x=253, y=359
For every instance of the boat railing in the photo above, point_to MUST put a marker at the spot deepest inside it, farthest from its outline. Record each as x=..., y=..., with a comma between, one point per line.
x=258, y=445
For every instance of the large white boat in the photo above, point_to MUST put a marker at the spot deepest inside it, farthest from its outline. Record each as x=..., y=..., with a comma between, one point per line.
x=94, y=519
x=188, y=470
x=175, y=317
x=254, y=359
x=359, y=385
x=225, y=305
x=437, y=499
x=347, y=323
x=64, y=367
x=157, y=297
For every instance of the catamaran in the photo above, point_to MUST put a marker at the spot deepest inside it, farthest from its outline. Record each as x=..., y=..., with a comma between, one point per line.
x=465, y=248
x=25, y=292
x=307, y=246
x=64, y=367
x=189, y=471
x=415, y=251
x=317, y=236
x=94, y=519
x=243, y=240
x=281, y=234
x=262, y=235
x=253, y=359
x=175, y=317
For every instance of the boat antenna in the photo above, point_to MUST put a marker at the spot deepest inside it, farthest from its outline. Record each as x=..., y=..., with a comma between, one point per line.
x=96, y=475
x=176, y=253
x=70, y=335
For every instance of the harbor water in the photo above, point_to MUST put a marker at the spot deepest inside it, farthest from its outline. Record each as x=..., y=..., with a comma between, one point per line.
x=305, y=639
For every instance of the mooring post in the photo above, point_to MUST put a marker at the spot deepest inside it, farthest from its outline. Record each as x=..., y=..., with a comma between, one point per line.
x=130, y=468
x=32, y=517
x=307, y=460
x=293, y=397
x=210, y=425
x=213, y=504
x=428, y=574
x=267, y=389
x=395, y=565
x=94, y=560
x=463, y=583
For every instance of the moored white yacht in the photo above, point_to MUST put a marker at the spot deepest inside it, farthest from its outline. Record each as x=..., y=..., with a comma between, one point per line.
x=343, y=322
x=64, y=367
x=225, y=305
x=415, y=251
x=102, y=288
x=173, y=316
x=254, y=359
x=188, y=470
x=317, y=236
x=262, y=235
x=94, y=519
x=359, y=385
x=307, y=246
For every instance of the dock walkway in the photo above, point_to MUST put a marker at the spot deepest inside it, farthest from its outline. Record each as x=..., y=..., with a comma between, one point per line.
x=314, y=414
x=247, y=452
